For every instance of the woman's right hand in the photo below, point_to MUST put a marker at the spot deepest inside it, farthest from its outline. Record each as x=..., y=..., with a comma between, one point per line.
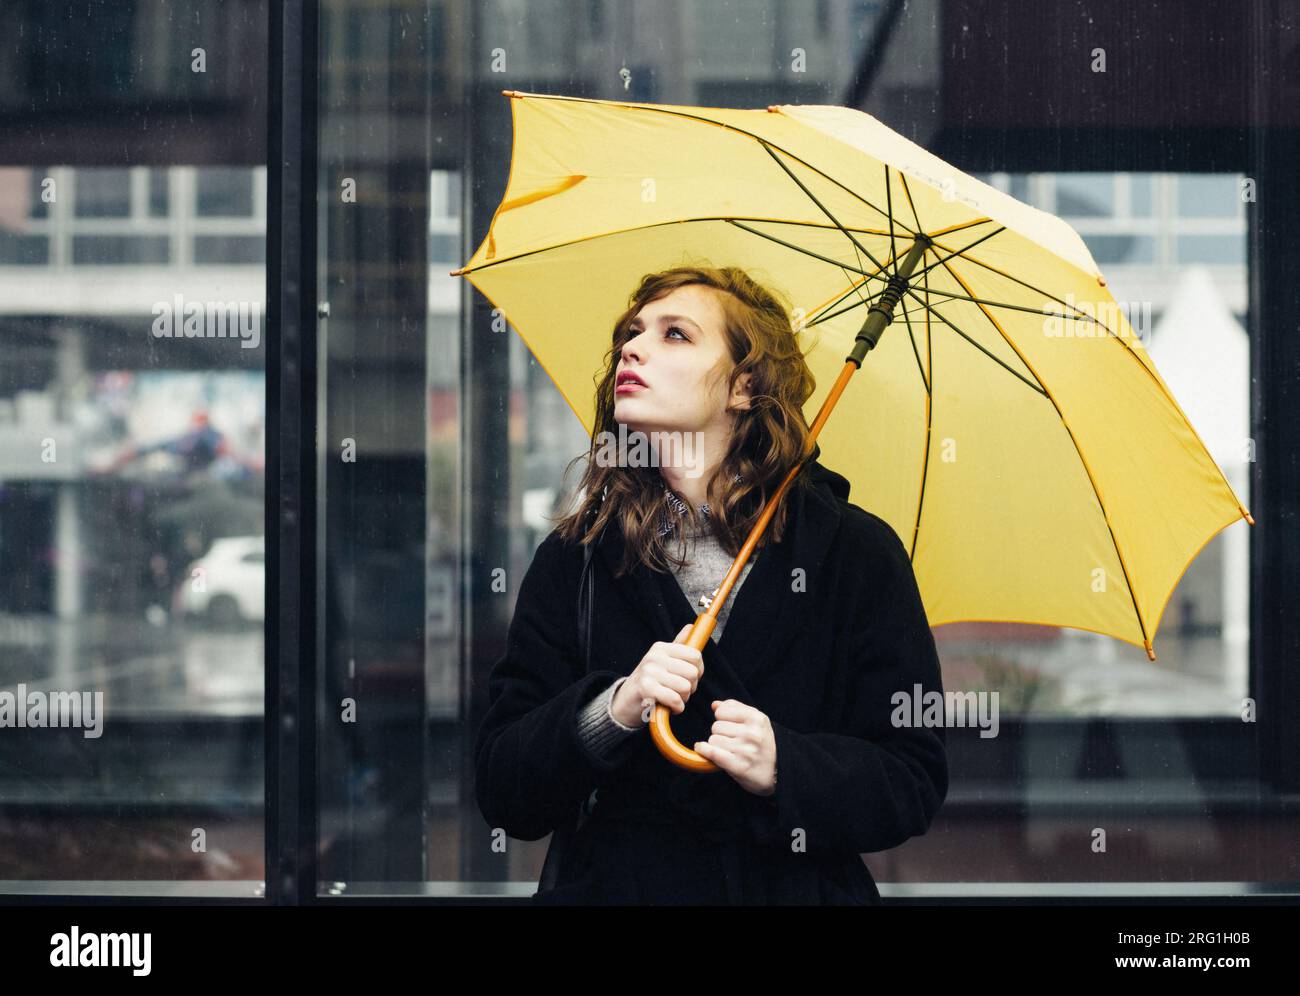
x=667, y=675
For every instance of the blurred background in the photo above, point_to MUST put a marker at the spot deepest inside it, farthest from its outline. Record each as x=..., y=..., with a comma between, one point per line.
x=133, y=420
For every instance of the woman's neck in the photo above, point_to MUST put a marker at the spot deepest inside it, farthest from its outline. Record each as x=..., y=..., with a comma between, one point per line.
x=688, y=483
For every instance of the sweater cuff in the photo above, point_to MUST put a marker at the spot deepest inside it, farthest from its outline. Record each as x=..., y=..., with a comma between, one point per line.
x=599, y=731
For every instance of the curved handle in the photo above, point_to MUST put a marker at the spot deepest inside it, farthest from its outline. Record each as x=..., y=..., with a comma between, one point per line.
x=660, y=729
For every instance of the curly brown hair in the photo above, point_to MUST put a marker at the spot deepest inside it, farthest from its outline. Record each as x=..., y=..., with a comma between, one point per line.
x=770, y=436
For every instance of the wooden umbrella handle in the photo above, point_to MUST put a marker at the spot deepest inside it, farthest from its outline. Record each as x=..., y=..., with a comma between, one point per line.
x=660, y=729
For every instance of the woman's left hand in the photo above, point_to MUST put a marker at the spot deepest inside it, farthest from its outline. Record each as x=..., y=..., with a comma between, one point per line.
x=742, y=744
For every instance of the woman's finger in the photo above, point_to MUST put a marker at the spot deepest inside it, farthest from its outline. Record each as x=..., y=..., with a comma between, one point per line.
x=731, y=709
x=666, y=696
x=720, y=756
x=738, y=748
x=740, y=731
x=678, y=682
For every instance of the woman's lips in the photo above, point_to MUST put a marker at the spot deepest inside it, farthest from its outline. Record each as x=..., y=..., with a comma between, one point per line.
x=630, y=385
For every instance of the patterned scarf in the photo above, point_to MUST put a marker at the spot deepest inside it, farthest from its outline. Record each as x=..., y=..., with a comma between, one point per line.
x=668, y=522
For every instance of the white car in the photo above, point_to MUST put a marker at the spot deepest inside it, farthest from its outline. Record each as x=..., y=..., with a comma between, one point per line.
x=227, y=584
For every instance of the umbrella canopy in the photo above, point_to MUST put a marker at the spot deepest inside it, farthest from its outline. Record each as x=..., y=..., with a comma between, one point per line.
x=1009, y=425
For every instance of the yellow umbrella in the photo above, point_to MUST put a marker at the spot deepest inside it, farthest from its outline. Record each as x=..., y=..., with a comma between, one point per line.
x=1022, y=442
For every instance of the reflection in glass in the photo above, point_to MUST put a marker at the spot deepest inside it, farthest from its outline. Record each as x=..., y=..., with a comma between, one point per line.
x=1085, y=195
x=1209, y=195
x=103, y=193
x=223, y=192
x=132, y=455
x=1223, y=250
x=1141, y=194
x=1108, y=249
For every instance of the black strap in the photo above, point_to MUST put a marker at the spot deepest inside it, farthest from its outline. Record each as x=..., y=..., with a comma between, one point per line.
x=586, y=607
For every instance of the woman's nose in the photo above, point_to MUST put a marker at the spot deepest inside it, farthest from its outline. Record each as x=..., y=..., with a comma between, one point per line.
x=631, y=349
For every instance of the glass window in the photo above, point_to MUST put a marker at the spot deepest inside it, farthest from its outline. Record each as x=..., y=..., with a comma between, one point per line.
x=159, y=192
x=223, y=192
x=103, y=193
x=119, y=250
x=132, y=455
x=1121, y=248
x=133, y=438
x=1209, y=196
x=1085, y=195
x=218, y=249
x=1217, y=249
x=444, y=446
x=23, y=250
x=1141, y=194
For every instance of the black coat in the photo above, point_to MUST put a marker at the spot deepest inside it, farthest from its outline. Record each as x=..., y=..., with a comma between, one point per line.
x=822, y=663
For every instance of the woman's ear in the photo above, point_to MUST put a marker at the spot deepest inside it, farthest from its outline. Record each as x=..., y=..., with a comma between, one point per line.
x=740, y=396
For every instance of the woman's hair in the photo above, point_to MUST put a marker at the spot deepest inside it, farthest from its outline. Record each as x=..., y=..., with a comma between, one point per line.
x=770, y=436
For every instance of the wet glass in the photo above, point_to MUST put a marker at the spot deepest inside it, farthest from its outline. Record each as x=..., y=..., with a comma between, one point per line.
x=132, y=448
x=133, y=182
x=461, y=442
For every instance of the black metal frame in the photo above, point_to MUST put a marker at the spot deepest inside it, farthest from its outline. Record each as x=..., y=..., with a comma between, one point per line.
x=291, y=382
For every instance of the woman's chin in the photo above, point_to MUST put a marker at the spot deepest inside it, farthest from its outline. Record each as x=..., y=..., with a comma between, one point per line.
x=635, y=414
x=635, y=423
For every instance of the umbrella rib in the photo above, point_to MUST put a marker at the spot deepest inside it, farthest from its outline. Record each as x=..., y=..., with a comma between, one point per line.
x=1013, y=307
x=1128, y=581
x=808, y=252
x=907, y=319
x=958, y=252
x=892, y=250
x=889, y=206
x=932, y=309
x=825, y=210
x=912, y=204
x=957, y=228
x=1036, y=290
x=821, y=224
x=921, y=272
x=853, y=287
x=463, y=271
x=929, y=425
x=857, y=304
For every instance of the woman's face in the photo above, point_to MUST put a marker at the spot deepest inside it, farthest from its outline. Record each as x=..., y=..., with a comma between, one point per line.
x=677, y=347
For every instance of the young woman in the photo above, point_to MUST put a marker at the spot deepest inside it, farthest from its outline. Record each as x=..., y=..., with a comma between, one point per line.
x=803, y=696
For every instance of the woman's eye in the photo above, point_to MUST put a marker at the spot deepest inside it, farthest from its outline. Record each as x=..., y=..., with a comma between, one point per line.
x=674, y=328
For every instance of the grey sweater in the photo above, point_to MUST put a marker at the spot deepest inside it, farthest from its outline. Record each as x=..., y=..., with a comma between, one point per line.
x=707, y=564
